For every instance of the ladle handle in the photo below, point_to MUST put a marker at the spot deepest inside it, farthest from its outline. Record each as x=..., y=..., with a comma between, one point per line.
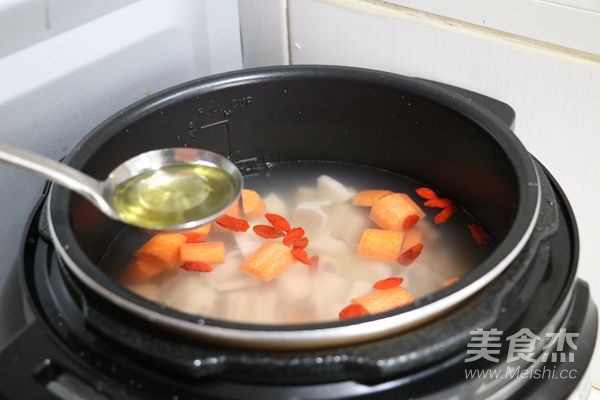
x=62, y=174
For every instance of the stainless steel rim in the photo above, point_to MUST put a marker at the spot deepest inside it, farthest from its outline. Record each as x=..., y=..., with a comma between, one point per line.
x=307, y=338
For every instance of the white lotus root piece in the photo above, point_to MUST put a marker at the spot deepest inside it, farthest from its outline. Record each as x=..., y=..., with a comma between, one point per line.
x=188, y=292
x=326, y=245
x=306, y=193
x=248, y=242
x=296, y=283
x=228, y=276
x=366, y=270
x=359, y=288
x=311, y=217
x=348, y=222
x=423, y=280
x=147, y=290
x=429, y=231
x=334, y=190
x=328, y=294
x=275, y=205
x=255, y=305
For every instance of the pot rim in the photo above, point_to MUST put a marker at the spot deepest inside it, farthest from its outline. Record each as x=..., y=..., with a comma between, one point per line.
x=316, y=334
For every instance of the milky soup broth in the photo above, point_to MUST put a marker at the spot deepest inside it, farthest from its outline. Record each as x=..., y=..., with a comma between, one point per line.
x=323, y=207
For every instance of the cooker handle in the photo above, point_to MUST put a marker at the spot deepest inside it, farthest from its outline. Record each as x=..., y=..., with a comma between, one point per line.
x=500, y=109
x=34, y=366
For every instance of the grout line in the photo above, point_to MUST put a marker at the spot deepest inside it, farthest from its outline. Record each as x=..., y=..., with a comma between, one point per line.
x=288, y=31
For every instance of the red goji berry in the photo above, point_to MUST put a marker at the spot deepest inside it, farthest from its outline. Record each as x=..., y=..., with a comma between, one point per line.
x=278, y=222
x=353, y=311
x=198, y=266
x=302, y=256
x=444, y=215
x=195, y=237
x=233, y=224
x=293, y=235
x=300, y=243
x=388, y=283
x=438, y=203
x=411, y=254
x=426, y=193
x=478, y=234
x=268, y=232
x=410, y=221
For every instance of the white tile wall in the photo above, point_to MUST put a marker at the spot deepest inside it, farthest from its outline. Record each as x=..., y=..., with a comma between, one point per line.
x=556, y=95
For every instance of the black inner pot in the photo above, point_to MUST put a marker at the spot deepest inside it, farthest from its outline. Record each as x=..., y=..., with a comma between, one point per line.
x=313, y=113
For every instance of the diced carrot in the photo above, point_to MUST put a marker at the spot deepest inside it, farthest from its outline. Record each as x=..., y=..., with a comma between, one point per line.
x=380, y=245
x=197, y=235
x=234, y=210
x=140, y=271
x=384, y=300
x=411, y=237
x=366, y=198
x=391, y=211
x=162, y=249
x=210, y=253
x=253, y=204
x=270, y=260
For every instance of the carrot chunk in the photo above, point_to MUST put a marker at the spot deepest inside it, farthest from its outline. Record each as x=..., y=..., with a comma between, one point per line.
x=352, y=311
x=197, y=235
x=410, y=221
x=253, y=204
x=162, y=249
x=269, y=261
x=366, y=198
x=380, y=245
x=234, y=211
x=140, y=271
x=391, y=211
x=384, y=300
x=211, y=253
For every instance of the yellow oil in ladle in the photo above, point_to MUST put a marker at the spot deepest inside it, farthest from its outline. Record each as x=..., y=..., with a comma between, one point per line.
x=167, y=189
x=173, y=195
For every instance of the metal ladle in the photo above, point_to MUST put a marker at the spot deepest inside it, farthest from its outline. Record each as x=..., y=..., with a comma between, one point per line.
x=101, y=193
